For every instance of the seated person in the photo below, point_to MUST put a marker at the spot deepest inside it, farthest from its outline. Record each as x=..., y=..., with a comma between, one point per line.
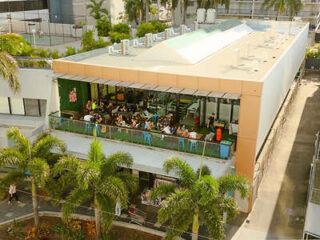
x=167, y=130
x=146, y=124
x=179, y=131
x=94, y=105
x=109, y=109
x=185, y=133
x=122, y=108
x=89, y=106
x=209, y=137
x=88, y=117
x=173, y=130
x=193, y=134
x=183, y=128
x=102, y=106
x=99, y=118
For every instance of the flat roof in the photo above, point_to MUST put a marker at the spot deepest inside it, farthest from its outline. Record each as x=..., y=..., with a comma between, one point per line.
x=248, y=57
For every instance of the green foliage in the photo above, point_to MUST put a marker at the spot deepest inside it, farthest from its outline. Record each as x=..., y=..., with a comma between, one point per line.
x=152, y=27
x=103, y=26
x=116, y=37
x=14, y=44
x=121, y=28
x=313, y=53
x=70, y=51
x=159, y=26
x=205, y=171
x=134, y=10
x=96, y=9
x=88, y=42
x=197, y=199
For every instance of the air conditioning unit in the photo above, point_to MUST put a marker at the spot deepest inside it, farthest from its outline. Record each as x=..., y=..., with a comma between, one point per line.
x=148, y=40
x=201, y=15
x=211, y=15
x=124, y=47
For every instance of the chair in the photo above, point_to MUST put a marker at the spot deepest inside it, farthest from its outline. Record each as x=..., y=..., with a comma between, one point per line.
x=146, y=137
x=97, y=128
x=181, y=141
x=193, y=143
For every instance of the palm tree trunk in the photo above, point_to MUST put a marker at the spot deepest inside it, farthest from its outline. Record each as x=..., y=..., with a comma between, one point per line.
x=173, y=15
x=147, y=11
x=183, y=12
x=278, y=15
x=97, y=217
x=195, y=225
x=35, y=202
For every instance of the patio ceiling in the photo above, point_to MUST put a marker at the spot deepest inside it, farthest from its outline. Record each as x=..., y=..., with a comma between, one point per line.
x=150, y=87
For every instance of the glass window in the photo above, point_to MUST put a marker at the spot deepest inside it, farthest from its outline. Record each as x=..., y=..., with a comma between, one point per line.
x=43, y=107
x=211, y=107
x=32, y=107
x=225, y=110
x=4, y=105
x=189, y=110
x=17, y=106
x=235, y=112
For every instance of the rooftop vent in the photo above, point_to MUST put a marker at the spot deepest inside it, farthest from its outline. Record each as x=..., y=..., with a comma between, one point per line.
x=211, y=15
x=124, y=47
x=148, y=40
x=201, y=15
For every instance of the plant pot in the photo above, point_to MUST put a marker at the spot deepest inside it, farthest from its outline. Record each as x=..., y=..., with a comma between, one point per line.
x=77, y=32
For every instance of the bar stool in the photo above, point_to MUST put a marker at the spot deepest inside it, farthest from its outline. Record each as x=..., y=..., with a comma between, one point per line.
x=146, y=137
x=181, y=141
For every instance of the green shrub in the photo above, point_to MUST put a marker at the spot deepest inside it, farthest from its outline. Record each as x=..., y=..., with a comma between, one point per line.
x=159, y=26
x=14, y=44
x=88, y=42
x=103, y=26
x=145, y=28
x=70, y=51
x=121, y=28
x=116, y=37
x=313, y=53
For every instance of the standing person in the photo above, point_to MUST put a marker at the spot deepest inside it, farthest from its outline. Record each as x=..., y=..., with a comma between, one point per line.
x=210, y=122
x=89, y=106
x=13, y=194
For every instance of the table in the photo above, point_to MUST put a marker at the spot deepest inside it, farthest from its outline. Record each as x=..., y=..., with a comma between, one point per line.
x=219, y=124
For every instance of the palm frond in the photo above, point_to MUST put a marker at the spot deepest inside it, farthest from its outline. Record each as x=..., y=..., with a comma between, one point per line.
x=87, y=175
x=213, y=220
x=177, y=202
x=107, y=206
x=179, y=224
x=113, y=162
x=10, y=156
x=9, y=71
x=73, y=201
x=186, y=174
x=233, y=183
x=162, y=191
x=130, y=181
x=66, y=163
x=39, y=170
x=114, y=188
x=20, y=142
x=207, y=187
x=95, y=154
x=46, y=145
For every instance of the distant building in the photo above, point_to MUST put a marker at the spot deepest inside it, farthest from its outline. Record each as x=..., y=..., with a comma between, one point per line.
x=75, y=11
x=246, y=9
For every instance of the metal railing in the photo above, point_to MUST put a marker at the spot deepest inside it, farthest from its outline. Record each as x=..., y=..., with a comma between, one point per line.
x=146, y=138
x=314, y=183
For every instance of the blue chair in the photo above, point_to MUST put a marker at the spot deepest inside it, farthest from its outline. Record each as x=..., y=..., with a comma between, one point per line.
x=181, y=141
x=193, y=143
x=146, y=137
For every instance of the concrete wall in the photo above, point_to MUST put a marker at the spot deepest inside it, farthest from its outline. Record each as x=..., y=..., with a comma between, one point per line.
x=35, y=84
x=277, y=83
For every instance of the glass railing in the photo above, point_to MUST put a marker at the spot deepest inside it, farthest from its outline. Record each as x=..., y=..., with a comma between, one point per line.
x=146, y=138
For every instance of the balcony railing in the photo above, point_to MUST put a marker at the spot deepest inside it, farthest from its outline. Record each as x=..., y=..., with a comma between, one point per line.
x=146, y=138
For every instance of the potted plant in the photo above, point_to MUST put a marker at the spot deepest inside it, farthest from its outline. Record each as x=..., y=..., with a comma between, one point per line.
x=78, y=29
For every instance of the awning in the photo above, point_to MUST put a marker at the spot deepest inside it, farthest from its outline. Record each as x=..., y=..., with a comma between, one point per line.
x=150, y=87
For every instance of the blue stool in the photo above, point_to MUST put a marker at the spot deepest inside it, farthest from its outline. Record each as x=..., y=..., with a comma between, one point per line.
x=181, y=141
x=146, y=137
x=193, y=143
x=27, y=173
x=97, y=128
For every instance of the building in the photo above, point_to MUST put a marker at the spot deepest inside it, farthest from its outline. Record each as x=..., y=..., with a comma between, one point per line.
x=311, y=229
x=31, y=10
x=241, y=70
x=75, y=11
x=253, y=9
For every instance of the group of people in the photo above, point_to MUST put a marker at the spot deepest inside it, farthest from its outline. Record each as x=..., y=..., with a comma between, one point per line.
x=133, y=117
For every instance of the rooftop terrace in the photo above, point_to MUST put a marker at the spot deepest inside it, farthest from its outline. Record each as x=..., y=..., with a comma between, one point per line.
x=234, y=49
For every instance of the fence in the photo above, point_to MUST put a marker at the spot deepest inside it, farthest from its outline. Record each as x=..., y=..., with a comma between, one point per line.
x=146, y=138
x=28, y=62
x=314, y=184
x=313, y=63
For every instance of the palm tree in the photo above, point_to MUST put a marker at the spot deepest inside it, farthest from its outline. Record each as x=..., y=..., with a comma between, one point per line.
x=30, y=158
x=134, y=10
x=174, y=5
x=197, y=198
x=9, y=71
x=281, y=5
x=96, y=10
x=147, y=10
x=98, y=179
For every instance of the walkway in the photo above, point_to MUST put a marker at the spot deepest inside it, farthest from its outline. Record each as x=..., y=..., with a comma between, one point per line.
x=280, y=208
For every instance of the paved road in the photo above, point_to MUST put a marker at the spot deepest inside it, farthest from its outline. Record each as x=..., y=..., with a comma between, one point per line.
x=281, y=204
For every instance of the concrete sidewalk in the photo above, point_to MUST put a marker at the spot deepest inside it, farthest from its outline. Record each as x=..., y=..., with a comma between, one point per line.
x=280, y=208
